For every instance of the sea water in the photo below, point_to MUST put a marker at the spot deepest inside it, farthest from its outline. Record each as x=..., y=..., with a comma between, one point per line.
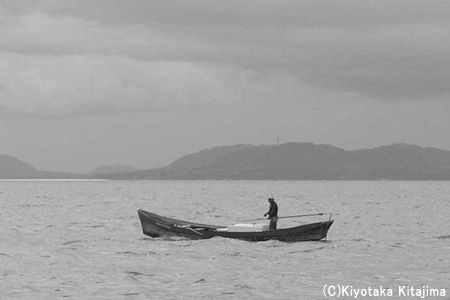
x=83, y=240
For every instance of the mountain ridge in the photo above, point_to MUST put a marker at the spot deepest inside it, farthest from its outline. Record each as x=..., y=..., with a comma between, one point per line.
x=304, y=161
x=112, y=169
x=288, y=161
x=11, y=168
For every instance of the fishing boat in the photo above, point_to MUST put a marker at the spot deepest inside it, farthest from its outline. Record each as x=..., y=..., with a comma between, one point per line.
x=155, y=226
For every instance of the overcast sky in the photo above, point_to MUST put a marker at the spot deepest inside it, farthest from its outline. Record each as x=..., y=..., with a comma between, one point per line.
x=95, y=82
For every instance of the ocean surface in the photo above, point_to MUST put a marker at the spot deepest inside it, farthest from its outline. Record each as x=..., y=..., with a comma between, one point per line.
x=83, y=240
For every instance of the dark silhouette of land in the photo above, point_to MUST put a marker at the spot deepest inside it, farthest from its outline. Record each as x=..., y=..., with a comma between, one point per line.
x=13, y=168
x=305, y=161
x=113, y=169
x=290, y=161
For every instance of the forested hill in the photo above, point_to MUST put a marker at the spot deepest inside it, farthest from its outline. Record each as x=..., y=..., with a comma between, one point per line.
x=304, y=161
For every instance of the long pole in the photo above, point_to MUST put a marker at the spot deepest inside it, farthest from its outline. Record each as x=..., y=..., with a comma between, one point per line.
x=286, y=217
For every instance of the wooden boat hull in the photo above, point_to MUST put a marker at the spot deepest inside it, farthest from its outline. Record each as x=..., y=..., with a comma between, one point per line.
x=154, y=225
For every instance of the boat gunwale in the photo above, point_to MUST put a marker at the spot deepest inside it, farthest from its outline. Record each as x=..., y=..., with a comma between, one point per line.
x=273, y=233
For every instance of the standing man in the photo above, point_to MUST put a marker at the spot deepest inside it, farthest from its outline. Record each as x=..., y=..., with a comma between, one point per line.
x=272, y=214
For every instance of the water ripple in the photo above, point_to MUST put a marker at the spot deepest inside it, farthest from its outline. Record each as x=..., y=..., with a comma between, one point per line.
x=72, y=242
x=447, y=236
x=137, y=274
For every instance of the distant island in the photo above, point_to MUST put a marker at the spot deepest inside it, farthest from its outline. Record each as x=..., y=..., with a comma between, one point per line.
x=289, y=161
x=113, y=170
x=13, y=168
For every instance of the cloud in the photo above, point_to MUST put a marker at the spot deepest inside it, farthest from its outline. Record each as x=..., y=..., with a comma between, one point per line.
x=60, y=85
x=48, y=85
x=244, y=14
x=387, y=50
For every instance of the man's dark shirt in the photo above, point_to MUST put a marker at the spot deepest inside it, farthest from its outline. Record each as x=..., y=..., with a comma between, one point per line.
x=273, y=210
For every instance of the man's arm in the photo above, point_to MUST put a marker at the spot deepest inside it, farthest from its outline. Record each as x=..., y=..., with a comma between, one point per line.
x=272, y=211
